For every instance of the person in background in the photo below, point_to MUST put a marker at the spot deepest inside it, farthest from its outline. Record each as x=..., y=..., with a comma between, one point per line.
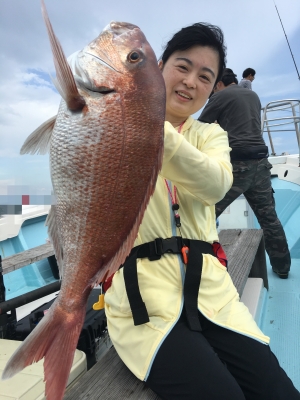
x=173, y=313
x=238, y=111
x=248, y=78
x=225, y=71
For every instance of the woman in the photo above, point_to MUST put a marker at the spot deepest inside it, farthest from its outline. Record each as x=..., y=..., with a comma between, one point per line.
x=186, y=341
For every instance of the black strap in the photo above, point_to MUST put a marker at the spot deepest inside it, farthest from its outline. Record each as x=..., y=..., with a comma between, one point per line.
x=138, y=307
x=192, y=284
x=154, y=250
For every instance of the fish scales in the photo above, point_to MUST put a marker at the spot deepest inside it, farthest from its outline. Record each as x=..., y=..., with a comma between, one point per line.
x=105, y=153
x=124, y=185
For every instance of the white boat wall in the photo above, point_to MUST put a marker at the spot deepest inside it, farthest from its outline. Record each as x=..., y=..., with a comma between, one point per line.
x=23, y=232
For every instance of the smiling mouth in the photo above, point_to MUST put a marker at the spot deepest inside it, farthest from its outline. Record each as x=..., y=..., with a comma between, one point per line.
x=184, y=95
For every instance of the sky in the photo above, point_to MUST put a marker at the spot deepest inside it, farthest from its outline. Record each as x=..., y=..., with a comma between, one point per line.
x=253, y=35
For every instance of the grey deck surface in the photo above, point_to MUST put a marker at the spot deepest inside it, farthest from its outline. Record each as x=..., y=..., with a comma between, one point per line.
x=27, y=257
x=245, y=252
x=110, y=379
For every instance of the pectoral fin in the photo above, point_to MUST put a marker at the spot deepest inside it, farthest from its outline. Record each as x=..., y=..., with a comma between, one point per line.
x=39, y=141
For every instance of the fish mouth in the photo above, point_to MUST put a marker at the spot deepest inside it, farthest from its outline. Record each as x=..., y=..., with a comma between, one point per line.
x=81, y=76
x=87, y=85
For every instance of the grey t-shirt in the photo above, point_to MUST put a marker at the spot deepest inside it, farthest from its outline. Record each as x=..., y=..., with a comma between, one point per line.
x=238, y=111
x=245, y=83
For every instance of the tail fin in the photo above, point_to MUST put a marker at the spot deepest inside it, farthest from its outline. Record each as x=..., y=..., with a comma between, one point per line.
x=55, y=338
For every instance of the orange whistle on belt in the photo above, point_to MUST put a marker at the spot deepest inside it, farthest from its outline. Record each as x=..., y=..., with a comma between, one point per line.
x=185, y=254
x=100, y=303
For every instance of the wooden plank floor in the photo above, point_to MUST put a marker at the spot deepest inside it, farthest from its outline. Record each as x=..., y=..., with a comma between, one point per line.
x=27, y=257
x=109, y=379
x=246, y=255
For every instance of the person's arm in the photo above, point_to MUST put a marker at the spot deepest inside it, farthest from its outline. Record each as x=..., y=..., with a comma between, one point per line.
x=211, y=111
x=206, y=173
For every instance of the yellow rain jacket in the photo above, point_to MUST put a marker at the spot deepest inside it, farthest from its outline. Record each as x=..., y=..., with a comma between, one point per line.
x=198, y=163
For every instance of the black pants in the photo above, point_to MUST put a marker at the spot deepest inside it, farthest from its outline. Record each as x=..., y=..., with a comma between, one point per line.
x=217, y=364
x=253, y=179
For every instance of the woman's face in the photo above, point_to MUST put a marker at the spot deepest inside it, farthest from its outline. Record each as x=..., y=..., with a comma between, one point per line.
x=189, y=76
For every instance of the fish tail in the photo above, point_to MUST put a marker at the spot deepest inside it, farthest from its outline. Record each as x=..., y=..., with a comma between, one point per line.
x=55, y=338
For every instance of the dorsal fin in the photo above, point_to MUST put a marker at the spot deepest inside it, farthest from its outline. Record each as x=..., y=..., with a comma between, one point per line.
x=39, y=140
x=65, y=80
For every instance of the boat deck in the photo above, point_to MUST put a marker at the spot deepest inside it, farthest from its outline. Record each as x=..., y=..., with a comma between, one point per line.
x=281, y=319
x=281, y=315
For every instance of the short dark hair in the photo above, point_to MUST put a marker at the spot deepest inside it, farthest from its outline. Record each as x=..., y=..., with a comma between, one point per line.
x=229, y=78
x=199, y=34
x=248, y=71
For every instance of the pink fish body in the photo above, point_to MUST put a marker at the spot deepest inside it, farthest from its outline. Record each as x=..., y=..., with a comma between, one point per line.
x=106, y=146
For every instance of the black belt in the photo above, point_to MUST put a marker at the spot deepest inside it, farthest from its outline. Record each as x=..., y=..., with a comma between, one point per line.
x=154, y=250
x=249, y=153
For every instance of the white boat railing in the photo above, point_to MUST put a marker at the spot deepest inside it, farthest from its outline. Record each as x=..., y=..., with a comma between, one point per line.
x=290, y=121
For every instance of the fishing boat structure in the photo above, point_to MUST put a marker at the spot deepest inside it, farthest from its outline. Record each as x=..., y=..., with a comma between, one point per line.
x=277, y=311
x=279, y=314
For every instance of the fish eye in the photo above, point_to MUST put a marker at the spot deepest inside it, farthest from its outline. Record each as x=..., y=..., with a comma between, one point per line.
x=134, y=56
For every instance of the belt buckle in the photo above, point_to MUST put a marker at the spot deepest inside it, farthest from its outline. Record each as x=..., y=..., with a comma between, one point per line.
x=169, y=245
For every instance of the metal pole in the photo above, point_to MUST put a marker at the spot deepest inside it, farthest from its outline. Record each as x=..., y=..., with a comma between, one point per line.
x=287, y=41
x=297, y=129
x=26, y=298
x=264, y=120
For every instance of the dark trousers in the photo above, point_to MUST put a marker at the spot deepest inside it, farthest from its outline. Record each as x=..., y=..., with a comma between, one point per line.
x=253, y=179
x=217, y=364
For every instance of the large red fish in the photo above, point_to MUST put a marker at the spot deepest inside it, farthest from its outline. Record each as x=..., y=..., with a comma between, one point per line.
x=106, y=146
